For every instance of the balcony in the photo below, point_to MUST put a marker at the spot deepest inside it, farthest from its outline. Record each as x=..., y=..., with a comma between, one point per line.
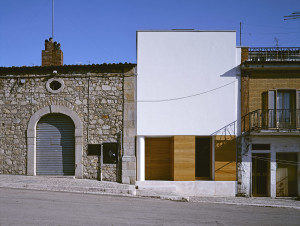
x=272, y=120
x=274, y=54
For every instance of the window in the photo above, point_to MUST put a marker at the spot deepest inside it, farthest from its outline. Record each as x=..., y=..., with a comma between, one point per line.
x=94, y=149
x=281, y=109
x=55, y=85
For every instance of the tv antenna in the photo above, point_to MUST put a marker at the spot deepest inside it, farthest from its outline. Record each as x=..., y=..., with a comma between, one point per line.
x=53, y=19
x=293, y=16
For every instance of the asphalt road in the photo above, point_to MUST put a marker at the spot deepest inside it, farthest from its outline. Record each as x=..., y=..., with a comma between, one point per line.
x=25, y=207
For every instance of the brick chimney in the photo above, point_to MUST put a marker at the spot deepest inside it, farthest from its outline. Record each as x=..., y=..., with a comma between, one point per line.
x=244, y=53
x=52, y=55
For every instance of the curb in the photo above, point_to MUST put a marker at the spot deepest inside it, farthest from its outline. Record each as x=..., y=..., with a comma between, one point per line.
x=251, y=204
x=175, y=198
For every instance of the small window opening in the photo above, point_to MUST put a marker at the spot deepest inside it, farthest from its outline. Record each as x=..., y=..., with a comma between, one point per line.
x=55, y=85
x=94, y=149
x=260, y=146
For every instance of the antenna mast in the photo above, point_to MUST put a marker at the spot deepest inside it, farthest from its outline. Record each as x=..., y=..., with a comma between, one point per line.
x=53, y=19
x=240, y=33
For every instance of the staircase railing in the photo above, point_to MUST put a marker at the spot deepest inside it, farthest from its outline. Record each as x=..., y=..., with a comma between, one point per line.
x=225, y=135
x=227, y=131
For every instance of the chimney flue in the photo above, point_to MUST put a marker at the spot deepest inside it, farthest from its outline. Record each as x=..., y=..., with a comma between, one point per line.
x=52, y=55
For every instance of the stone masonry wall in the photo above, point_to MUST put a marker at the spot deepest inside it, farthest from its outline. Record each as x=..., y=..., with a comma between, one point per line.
x=128, y=167
x=97, y=98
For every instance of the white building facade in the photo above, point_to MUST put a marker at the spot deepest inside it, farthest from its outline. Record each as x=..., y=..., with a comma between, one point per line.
x=187, y=95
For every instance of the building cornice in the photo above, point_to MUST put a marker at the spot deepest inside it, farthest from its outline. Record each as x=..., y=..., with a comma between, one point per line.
x=67, y=69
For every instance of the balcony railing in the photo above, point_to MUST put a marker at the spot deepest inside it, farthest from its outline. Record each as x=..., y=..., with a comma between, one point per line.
x=274, y=54
x=271, y=119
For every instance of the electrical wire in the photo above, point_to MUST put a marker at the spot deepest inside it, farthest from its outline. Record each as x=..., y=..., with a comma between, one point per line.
x=286, y=162
x=185, y=97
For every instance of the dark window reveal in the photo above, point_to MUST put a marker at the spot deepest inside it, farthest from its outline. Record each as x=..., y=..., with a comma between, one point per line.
x=260, y=146
x=55, y=85
x=110, y=153
x=94, y=149
x=203, y=157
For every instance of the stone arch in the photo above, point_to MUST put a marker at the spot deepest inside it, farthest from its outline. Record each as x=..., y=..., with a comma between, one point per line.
x=31, y=137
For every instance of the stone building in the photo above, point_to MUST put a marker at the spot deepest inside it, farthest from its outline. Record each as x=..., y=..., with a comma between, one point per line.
x=68, y=119
x=269, y=154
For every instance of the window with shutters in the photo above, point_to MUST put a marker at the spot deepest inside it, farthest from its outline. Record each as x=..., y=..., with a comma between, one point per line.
x=281, y=108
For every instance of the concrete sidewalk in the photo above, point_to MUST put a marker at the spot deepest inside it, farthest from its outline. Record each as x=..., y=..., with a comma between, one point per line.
x=66, y=184
x=70, y=184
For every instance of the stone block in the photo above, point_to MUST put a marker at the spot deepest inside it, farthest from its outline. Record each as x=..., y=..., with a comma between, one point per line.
x=128, y=159
x=128, y=173
x=106, y=87
x=129, y=95
x=125, y=180
x=129, y=151
x=129, y=166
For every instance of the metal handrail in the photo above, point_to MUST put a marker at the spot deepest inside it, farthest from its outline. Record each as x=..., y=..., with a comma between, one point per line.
x=274, y=54
x=271, y=119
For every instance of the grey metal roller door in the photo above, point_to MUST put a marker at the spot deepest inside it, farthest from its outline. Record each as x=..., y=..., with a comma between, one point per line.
x=55, y=145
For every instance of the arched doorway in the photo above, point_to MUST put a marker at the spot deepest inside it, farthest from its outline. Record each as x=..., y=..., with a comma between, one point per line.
x=55, y=145
x=31, y=137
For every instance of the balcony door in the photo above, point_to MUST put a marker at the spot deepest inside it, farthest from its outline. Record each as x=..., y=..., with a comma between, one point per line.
x=282, y=108
x=285, y=108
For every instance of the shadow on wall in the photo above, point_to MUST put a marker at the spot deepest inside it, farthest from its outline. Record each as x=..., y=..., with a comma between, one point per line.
x=225, y=158
x=234, y=72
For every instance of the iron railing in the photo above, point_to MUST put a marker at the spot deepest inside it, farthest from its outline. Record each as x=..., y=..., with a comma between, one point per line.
x=268, y=119
x=274, y=54
x=225, y=135
x=228, y=131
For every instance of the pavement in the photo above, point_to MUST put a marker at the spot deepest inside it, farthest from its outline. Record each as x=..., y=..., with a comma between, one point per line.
x=70, y=184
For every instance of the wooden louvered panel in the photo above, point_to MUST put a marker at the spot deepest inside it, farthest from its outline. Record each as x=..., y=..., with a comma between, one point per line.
x=157, y=159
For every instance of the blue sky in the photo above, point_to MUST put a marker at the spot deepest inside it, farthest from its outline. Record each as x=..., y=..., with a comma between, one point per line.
x=98, y=31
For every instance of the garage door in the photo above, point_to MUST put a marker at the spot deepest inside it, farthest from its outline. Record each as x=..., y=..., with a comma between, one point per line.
x=55, y=145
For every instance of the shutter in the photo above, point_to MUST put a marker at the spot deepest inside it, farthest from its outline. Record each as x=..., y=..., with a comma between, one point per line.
x=265, y=110
x=272, y=109
x=55, y=145
x=298, y=109
x=271, y=99
x=298, y=99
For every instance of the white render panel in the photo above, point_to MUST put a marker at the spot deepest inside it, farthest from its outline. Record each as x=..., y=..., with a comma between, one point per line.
x=174, y=64
x=192, y=188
